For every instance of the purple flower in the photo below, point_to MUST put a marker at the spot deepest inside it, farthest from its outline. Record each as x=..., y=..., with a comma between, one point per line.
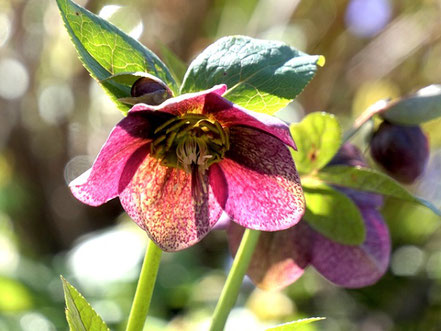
x=178, y=166
x=281, y=257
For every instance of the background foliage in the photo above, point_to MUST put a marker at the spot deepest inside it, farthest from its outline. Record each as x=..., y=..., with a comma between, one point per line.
x=54, y=118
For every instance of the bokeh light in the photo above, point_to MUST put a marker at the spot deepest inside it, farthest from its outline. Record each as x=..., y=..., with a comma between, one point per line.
x=366, y=18
x=15, y=78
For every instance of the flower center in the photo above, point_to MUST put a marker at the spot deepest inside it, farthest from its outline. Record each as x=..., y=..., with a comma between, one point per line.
x=191, y=142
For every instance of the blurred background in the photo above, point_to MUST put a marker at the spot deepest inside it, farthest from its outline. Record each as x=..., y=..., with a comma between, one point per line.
x=54, y=118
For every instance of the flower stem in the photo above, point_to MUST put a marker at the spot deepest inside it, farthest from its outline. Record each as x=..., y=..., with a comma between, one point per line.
x=234, y=280
x=144, y=289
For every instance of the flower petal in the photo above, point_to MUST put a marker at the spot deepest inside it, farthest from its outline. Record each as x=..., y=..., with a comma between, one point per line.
x=279, y=257
x=160, y=200
x=264, y=191
x=355, y=266
x=362, y=199
x=101, y=182
x=190, y=102
x=230, y=115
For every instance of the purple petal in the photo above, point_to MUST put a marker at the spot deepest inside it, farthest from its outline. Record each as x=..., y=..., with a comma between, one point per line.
x=264, y=191
x=355, y=266
x=231, y=115
x=361, y=198
x=191, y=102
x=161, y=201
x=102, y=182
x=279, y=258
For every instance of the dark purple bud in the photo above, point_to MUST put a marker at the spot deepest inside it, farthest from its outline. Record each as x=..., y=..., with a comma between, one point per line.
x=403, y=151
x=145, y=85
x=149, y=91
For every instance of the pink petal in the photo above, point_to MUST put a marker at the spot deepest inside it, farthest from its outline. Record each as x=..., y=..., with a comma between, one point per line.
x=102, y=182
x=230, y=115
x=279, y=258
x=264, y=191
x=160, y=200
x=191, y=102
x=355, y=266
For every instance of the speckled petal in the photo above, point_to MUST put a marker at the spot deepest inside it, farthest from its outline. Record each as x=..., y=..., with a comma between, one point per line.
x=190, y=102
x=355, y=266
x=160, y=200
x=102, y=182
x=231, y=115
x=279, y=258
x=264, y=191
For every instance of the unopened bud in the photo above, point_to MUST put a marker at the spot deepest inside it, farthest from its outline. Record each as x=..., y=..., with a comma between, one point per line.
x=149, y=91
x=403, y=151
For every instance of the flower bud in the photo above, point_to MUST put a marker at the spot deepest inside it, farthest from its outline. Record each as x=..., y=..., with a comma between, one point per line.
x=145, y=85
x=403, y=151
x=149, y=91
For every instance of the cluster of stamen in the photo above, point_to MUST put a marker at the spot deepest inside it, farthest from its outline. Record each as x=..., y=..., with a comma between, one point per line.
x=191, y=142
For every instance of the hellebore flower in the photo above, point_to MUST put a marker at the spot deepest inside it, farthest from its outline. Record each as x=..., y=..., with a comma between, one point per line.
x=281, y=257
x=177, y=167
x=403, y=151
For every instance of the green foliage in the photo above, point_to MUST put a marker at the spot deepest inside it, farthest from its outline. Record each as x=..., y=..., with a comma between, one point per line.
x=105, y=50
x=370, y=180
x=175, y=64
x=296, y=325
x=79, y=314
x=419, y=108
x=14, y=295
x=332, y=213
x=261, y=75
x=318, y=138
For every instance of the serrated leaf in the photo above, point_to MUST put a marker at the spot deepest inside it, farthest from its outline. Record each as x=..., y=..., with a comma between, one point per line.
x=370, y=180
x=332, y=213
x=414, y=110
x=318, y=138
x=295, y=325
x=105, y=50
x=261, y=75
x=79, y=314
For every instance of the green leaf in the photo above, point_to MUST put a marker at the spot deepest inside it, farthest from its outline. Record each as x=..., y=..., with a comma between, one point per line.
x=332, y=213
x=105, y=50
x=261, y=75
x=295, y=325
x=80, y=315
x=318, y=138
x=370, y=180
x=419, y=108
x=176, y=65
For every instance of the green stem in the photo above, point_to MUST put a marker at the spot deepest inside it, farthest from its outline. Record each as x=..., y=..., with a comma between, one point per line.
x=144, y=290
x=234, y=280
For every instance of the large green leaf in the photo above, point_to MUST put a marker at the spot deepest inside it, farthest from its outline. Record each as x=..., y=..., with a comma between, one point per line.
x=261, y=75
x=80, y=315
x=419, y=108
x=105, y=50
x=318, y=137
x=370, y=180
x=332, y=213
x=296, y=325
